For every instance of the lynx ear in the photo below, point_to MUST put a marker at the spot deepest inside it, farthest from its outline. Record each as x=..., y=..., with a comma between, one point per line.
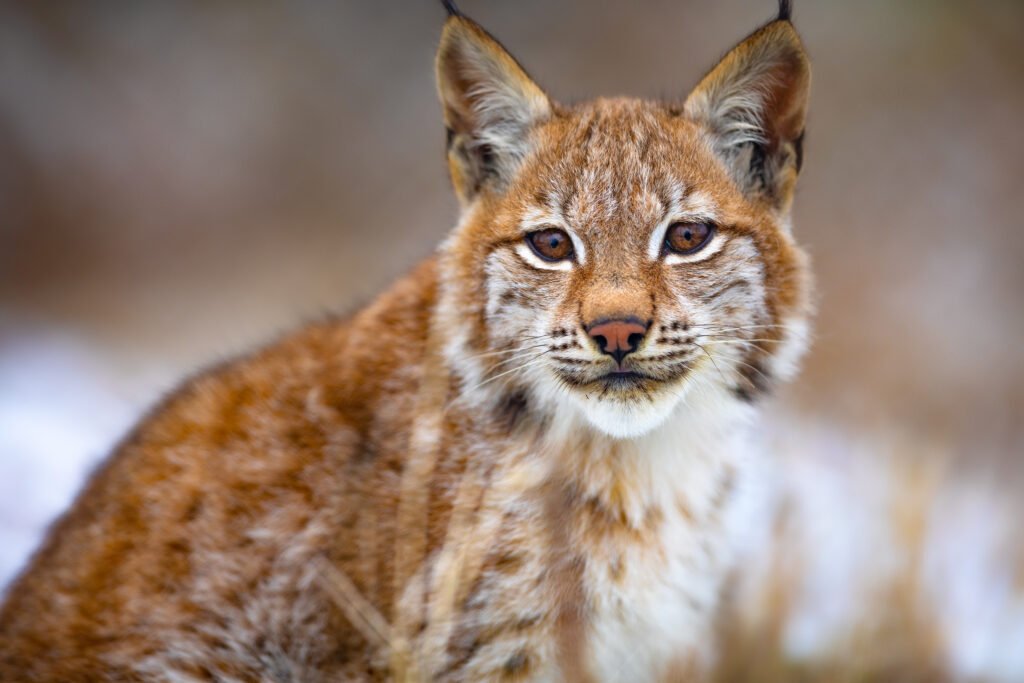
x=489, y=106
x=755, y=103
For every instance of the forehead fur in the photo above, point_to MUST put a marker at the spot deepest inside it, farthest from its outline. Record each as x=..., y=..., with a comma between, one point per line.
x=613, y=164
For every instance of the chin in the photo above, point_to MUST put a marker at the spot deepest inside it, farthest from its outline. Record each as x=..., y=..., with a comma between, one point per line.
x=627, y=417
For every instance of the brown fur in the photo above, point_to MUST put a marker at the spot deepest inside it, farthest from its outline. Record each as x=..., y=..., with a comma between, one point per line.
x=402, y=449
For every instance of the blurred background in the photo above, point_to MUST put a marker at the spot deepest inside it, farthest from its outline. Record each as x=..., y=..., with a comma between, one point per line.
x=180, y=181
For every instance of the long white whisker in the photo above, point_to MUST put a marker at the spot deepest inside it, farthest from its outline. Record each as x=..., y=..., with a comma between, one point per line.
x=503, y=352
x=735, y=340
x=714, y=328
x=712, y=359
x=535, y=361
x=757, y=370
x=527, y=355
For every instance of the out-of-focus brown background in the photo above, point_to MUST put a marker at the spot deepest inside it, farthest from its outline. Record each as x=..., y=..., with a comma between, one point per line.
x=179, y=181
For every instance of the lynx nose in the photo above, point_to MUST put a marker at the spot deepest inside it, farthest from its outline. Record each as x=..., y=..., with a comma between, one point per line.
x=618, y=338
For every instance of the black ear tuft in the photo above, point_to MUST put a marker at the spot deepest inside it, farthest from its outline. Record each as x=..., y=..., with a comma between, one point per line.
x=453, y=11
x=785, y=10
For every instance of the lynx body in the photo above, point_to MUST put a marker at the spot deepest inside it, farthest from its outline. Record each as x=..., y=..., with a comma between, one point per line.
x=516, y=464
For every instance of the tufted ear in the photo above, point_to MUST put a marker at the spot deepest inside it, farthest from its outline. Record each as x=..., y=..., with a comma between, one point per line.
x=489, y=102
x=755, y=104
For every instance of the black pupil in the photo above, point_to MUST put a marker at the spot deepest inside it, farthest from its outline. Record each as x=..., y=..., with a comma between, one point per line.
x=688, y=237
x=551, y=244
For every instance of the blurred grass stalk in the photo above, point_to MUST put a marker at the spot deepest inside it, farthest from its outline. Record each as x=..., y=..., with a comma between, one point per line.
x=895, y=633
x=894, y=636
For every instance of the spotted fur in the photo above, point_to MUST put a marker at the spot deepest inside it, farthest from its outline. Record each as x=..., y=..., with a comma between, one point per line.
x=450, y=485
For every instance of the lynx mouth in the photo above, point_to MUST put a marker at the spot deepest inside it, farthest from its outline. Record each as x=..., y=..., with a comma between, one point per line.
x=624, y=379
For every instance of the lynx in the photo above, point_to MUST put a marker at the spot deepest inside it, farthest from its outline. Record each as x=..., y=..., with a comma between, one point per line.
x=518, y=463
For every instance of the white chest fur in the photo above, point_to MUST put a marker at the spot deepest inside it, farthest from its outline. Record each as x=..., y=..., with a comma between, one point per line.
x=651, y=607
x=651, y=590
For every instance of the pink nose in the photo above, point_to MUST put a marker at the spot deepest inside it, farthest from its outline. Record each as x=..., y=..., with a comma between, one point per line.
x=618, y=338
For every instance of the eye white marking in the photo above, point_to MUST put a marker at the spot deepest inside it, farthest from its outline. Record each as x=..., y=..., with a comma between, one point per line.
x=712, y=248
x=696, y=207
x=537, y=220
x=525, y=253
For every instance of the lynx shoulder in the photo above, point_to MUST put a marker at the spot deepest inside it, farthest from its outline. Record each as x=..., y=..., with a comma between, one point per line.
x=516, y=464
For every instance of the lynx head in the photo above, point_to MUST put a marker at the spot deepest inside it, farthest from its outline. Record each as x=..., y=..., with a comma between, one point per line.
x=619, y=256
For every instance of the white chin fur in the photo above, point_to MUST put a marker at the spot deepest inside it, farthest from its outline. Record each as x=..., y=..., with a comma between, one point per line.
x=625, y=420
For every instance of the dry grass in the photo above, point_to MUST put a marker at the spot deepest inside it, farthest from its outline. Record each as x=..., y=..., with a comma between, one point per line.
x=895, y=638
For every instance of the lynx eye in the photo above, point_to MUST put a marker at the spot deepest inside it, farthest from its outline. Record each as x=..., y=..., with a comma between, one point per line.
x=551, y=244
x=688, y=238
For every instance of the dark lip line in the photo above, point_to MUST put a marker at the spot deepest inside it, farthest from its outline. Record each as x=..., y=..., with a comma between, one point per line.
x=623, y=376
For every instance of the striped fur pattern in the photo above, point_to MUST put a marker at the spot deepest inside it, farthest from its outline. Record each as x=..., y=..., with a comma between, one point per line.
x=450, y=485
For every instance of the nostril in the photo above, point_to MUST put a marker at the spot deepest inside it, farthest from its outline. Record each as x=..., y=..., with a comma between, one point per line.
x=618, y=338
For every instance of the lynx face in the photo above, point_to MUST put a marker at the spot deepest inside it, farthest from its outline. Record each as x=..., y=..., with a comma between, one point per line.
x=627, y=255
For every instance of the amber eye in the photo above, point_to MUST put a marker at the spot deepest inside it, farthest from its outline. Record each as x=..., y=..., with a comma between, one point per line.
x=688, y=238
x=551, y=244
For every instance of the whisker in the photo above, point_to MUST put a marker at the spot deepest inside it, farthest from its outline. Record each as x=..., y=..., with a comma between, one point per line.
x=741, y=327
x=526, y=355
x=676, y=356
x=489, y=354
x=736, y=340
x=712, y=359
x=757, y=370
x=525, y=365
